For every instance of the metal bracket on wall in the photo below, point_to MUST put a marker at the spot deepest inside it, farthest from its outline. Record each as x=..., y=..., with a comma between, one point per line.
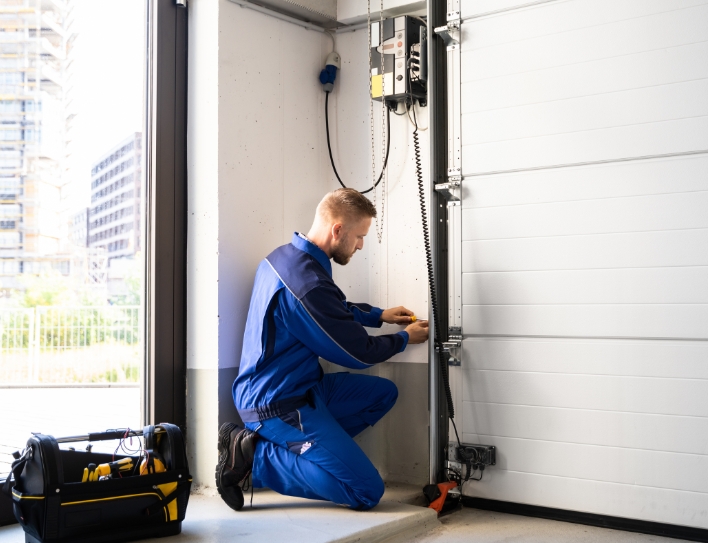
x=450, y=33
x=450, y=190
x=453, y=345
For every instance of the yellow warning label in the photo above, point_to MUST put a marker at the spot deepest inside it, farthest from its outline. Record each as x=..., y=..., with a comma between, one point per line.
x=376, y=86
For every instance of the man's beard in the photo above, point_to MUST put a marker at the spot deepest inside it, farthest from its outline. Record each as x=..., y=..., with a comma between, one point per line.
x=340, y=254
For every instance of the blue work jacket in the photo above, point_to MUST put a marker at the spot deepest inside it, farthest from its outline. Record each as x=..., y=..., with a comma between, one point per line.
x=298, y=314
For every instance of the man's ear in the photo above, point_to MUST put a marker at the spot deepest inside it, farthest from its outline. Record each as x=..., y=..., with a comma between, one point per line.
x=337, y=230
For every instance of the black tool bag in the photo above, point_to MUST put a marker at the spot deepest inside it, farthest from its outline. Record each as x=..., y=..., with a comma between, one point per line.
x=52, y=503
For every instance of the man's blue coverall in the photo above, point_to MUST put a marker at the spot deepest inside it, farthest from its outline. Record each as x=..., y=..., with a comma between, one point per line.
x=306, y=420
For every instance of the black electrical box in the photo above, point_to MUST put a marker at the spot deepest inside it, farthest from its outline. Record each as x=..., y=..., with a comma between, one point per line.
x=477, y=455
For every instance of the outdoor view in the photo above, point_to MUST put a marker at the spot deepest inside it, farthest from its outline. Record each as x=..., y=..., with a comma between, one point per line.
x=72, y=80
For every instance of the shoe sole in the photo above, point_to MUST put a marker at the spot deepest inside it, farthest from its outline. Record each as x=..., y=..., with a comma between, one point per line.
x=223, y=446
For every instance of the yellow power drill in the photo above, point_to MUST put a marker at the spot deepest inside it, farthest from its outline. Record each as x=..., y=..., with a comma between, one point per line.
x=106, y=471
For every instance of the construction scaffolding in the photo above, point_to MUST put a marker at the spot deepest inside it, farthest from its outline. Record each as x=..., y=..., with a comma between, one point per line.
x=35, y=122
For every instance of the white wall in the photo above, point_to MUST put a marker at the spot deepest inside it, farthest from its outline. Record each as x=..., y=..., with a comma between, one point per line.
x=202, y=236
x=585, y=277
x=354, y=11
x=270, y=140
x=258, y=166
x=255, y=141
x=391, y=273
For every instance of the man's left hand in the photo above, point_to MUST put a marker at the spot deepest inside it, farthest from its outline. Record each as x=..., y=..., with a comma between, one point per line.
x=397, y=315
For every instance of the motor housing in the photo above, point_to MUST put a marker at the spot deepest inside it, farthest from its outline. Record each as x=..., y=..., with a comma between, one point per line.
x=402, y=77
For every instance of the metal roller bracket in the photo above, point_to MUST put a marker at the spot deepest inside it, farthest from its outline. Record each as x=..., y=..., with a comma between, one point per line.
x=453, y=345
x=450, y=33
x=450, y=190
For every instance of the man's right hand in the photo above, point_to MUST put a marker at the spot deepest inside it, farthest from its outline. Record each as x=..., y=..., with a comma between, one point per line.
x=417, y=332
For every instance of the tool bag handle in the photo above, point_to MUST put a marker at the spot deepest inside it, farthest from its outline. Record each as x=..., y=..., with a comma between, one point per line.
x=108, y=435
x=116, y=433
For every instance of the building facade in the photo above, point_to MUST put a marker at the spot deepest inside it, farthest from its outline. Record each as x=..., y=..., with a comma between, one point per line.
x=114, y=213
x=35, y=37
x=78, y=228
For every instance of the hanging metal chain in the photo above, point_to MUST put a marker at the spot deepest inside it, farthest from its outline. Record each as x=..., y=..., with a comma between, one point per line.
x=371, y=106
x=380, y=228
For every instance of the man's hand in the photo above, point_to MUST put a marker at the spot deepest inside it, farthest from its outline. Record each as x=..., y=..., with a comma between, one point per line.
x=417, y=332
x=397, y=315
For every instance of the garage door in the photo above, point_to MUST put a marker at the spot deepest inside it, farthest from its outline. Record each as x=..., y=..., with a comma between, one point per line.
x=581, y=253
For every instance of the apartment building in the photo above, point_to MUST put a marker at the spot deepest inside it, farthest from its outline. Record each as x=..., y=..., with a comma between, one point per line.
x=114, y=213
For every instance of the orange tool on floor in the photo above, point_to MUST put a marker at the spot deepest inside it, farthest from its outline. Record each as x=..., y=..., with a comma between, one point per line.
x=444, y=488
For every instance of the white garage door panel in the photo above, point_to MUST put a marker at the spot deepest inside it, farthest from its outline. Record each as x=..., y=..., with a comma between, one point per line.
x=618, y=286
x=684, y=397
x=608, y=464
x=613, y=321
x=636, y=358
x=634, y=250
x=588, y=113
x=541, y=38
x=621, y=500
x=584, y=254
x=632, y=178
x=620, y=74
x=654, y=139
x=477, y=7
x=561, y=15
x=668, y=433
x=600, y=216
x=562, y=119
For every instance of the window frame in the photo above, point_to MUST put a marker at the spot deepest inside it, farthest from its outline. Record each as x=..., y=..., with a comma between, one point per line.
x=165, y=372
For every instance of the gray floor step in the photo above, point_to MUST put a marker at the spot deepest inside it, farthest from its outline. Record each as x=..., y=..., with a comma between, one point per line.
x=275, y=518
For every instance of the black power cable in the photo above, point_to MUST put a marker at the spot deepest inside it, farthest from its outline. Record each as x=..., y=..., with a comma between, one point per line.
x=426, y=238
x=329, y=147
x=431, y=277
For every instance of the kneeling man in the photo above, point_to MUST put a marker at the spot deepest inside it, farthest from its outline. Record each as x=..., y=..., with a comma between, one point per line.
x=299, y=422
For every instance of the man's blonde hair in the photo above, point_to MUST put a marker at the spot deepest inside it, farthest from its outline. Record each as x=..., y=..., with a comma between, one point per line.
x=342, y=204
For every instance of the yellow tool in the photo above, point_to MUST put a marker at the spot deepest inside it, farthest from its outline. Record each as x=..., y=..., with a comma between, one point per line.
x=88, y=473
x=154, y=465
x=414, y=318
x=95, y=473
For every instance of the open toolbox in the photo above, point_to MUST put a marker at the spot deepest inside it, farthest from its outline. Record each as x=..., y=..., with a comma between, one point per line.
x=140, y=490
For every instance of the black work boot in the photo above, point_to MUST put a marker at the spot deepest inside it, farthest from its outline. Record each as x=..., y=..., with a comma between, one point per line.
x=236, y=449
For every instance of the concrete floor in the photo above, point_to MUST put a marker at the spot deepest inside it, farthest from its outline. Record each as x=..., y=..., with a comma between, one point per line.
x=276, y=518
x=476, y=526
